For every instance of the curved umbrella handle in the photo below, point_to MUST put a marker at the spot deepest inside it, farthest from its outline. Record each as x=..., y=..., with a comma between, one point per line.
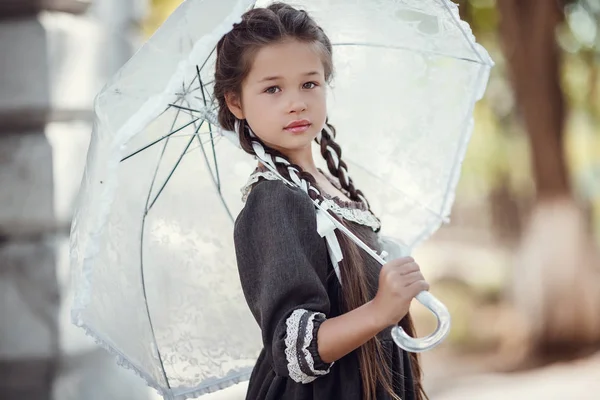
x=427, y=299
x=417, y=345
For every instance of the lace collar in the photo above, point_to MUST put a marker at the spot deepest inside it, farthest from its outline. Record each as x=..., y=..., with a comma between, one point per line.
x=353, y=211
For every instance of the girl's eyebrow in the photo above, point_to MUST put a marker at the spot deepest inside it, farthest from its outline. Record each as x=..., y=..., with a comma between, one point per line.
x=274, y=78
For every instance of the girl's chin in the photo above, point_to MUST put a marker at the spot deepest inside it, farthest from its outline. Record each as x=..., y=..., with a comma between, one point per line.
x=292, y=142
x=299, y=142
x=294, y=145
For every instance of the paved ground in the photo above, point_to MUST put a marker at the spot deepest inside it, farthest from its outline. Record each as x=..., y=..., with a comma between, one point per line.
x=100, y=379
x=579, y=380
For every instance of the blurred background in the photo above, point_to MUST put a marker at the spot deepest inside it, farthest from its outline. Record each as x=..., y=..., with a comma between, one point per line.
x=518, y=265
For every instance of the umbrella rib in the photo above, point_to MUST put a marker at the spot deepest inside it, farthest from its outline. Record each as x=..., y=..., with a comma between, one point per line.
x=184, y=135
x=217, y=140
x=161, y=138
x=217, y=182
x=462, y=31
x=204, y=94
x=155, y=342
x=171, y=172
x=197, y=134
x=190, y=86
x=211, y=133
x=202, y=87
x=191, y=110
x=217, y=185
x=160, y=159
x=206, y=60
x=142, y=275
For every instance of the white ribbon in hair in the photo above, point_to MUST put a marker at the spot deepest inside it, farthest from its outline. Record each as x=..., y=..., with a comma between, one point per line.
x=326, y=229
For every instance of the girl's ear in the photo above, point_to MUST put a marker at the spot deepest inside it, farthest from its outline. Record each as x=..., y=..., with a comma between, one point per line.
x=234, y=104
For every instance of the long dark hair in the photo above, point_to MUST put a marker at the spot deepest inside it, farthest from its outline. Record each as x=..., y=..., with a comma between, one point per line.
x=261, y=27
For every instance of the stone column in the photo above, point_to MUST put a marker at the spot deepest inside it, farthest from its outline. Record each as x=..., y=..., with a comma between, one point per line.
x=55, y=55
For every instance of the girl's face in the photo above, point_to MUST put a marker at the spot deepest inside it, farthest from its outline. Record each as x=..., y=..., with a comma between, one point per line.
x=284, y=96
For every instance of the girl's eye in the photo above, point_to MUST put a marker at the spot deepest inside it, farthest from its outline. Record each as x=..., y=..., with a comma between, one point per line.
x=272, y=89
x=310, y=85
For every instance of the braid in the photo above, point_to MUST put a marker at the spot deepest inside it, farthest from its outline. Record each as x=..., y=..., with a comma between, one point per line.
x=291, y=172
x=332, y=153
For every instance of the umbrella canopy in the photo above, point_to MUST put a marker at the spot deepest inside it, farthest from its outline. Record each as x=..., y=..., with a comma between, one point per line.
x=152, y=250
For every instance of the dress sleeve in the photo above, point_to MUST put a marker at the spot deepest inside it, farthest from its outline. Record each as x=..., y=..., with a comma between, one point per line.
x=282, y=262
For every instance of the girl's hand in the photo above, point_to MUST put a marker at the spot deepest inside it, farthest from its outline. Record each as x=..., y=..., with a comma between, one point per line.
x=400, y=280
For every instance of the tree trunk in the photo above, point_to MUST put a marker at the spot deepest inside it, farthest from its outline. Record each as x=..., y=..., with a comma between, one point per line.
x=555, y=282
x=527, y=28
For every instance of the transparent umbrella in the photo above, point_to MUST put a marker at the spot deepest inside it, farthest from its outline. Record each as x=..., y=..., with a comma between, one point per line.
x=152, y=252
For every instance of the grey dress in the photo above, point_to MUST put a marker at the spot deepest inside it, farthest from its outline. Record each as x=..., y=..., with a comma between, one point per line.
x=291, y=288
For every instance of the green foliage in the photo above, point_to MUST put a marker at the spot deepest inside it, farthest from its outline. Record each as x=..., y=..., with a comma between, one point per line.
x=499, y=151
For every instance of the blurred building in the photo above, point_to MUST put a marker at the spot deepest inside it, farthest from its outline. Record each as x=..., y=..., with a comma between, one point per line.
x=55, y=55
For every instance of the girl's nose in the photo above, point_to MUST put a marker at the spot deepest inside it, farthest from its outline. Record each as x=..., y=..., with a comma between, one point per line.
x=297, y=105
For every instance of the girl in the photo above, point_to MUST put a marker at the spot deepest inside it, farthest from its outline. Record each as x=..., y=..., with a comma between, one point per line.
x=324, y=336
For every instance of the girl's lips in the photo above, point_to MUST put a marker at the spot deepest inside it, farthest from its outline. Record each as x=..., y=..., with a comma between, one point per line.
x=298, y=128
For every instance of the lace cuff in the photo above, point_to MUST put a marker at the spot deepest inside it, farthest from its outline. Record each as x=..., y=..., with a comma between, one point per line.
x=301, y=350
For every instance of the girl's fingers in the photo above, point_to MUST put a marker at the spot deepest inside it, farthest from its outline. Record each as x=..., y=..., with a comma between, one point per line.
x=412, y=277
x=417, y=287
x=403, y=260
x=407, y=269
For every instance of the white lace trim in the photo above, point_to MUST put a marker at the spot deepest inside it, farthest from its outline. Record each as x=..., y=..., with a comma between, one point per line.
x=361, y=217
x=268, y=175
x=126, y=362
x=291, y=347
